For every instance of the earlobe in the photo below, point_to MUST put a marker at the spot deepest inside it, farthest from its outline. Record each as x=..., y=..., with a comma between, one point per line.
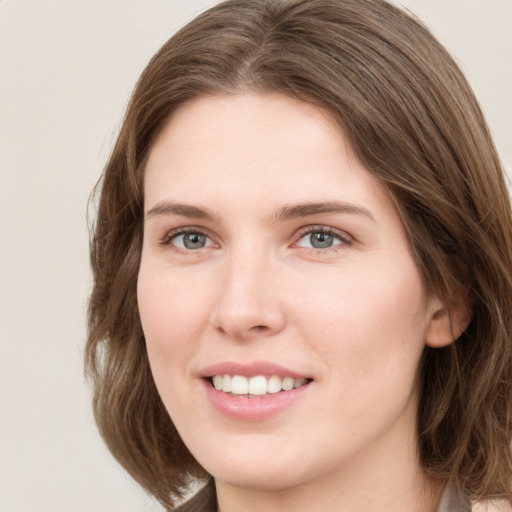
x=447, y=323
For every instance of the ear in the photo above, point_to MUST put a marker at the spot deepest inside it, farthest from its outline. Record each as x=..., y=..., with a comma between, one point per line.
x=447, y=321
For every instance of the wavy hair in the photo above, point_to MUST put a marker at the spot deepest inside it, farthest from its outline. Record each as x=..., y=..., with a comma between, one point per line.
x=413, y=121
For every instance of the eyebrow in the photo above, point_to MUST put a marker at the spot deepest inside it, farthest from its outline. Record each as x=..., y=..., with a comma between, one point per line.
x=305, y=209
x=183, y=210
x=285, y=213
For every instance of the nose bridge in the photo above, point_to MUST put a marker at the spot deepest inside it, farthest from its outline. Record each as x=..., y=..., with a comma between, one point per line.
x=247, y=301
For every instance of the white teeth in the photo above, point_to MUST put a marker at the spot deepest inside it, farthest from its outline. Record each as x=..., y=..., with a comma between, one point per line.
x=239, y=385
x=217, y=382
x=297, y=383
x=226, y=383
x=274, y=384
x=287, y=383
x=257, y=386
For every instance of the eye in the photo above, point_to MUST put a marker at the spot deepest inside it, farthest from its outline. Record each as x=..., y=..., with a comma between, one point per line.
x=190, y=240
x=322, y=238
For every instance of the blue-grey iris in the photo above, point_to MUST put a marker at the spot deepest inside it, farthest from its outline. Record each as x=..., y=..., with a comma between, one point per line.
x=321, y=240
x=194, y=240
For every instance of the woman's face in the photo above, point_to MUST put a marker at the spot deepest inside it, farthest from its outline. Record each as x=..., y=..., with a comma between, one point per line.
x=271, y=259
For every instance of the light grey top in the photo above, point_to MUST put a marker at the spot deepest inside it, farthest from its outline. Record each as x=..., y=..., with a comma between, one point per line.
x=450, y=502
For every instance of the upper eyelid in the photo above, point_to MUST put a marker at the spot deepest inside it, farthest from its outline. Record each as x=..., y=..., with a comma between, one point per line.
x=324, y=229
x=187, y=229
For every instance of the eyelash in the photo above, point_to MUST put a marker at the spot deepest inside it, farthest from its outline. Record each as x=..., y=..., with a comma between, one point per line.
x=345, y=240
x=175, y=233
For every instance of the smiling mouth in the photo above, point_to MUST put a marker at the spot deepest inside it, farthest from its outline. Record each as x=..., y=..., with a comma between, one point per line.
x=257, y=386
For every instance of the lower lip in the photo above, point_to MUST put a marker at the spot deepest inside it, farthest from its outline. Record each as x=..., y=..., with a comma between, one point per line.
x=258, y=408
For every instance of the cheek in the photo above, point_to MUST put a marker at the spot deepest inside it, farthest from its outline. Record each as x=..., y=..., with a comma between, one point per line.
x=172, y=313
x=368, y=323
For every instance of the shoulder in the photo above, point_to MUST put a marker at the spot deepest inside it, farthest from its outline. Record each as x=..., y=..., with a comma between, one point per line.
x=450, y=502
x=203, y=500
x=492, y=506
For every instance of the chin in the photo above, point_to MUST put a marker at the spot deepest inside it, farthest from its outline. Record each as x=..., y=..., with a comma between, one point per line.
x=258, y=479
x=257, y=470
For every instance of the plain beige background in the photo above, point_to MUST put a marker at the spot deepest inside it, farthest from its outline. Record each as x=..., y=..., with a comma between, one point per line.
x=66, y=70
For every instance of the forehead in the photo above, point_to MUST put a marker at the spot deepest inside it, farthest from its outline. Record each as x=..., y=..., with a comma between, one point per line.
x=256, y=149
x=242, y=125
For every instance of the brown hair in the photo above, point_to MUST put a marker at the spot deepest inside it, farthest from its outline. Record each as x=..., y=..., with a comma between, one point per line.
x=414, y=122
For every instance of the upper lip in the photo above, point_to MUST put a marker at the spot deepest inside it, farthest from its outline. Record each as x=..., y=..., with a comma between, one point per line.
x=250, y=369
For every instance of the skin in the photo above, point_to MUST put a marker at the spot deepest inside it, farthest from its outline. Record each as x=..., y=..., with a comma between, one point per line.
x=353, y=316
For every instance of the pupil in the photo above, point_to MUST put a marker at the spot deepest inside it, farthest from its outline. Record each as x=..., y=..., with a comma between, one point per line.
x=194, y=241
x=321, y=240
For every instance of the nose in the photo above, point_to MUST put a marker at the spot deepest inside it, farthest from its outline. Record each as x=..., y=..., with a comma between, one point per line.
x=248, y=303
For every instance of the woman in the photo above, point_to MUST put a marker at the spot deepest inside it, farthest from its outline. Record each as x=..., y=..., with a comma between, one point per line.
x=302, y=269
